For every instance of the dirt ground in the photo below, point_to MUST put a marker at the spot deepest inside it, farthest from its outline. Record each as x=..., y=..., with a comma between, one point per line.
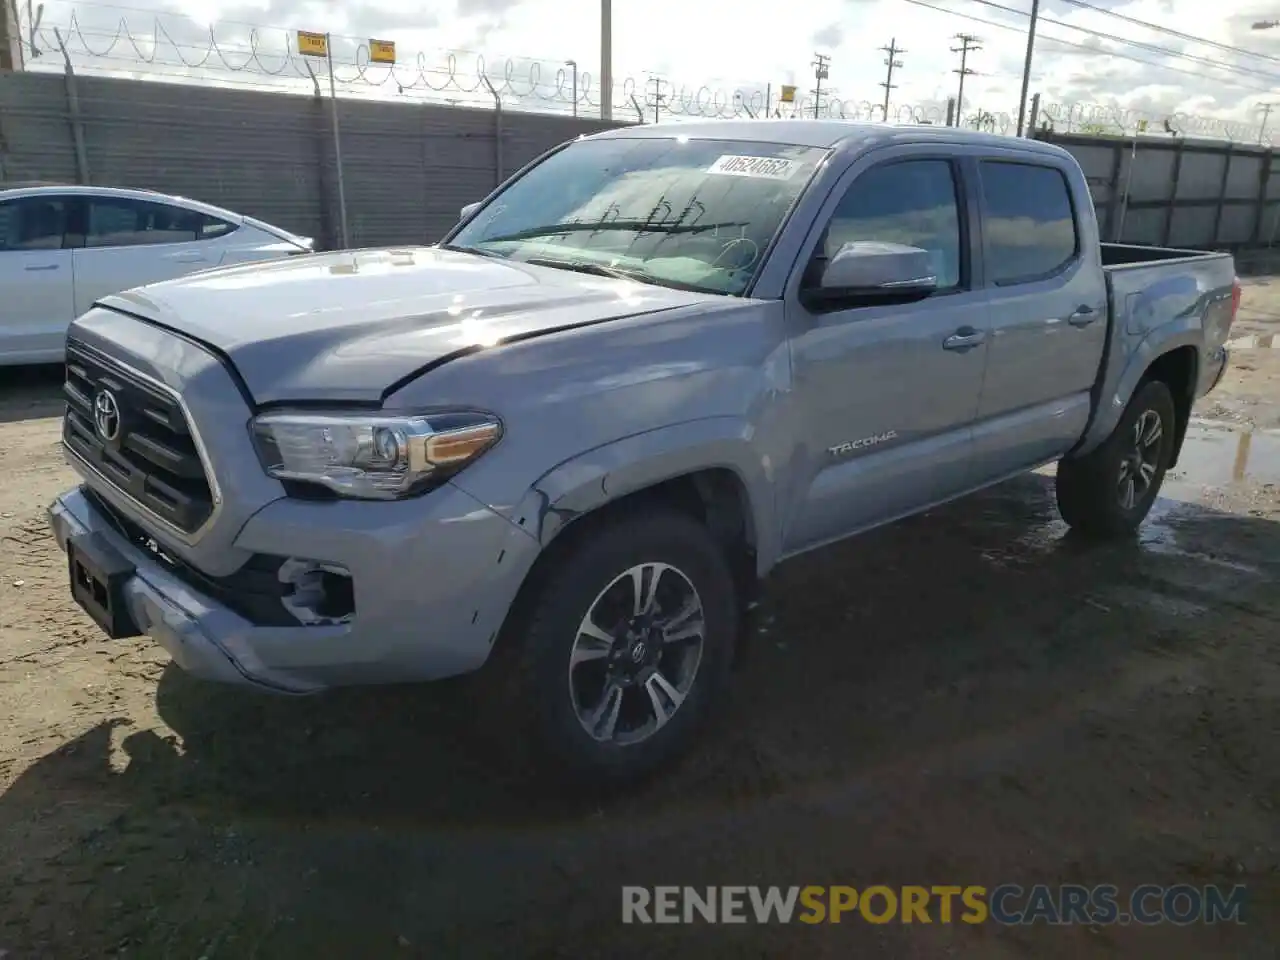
x=967, y=697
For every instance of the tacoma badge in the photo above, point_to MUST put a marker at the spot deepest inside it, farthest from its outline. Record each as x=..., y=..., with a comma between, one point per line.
x=849, y=446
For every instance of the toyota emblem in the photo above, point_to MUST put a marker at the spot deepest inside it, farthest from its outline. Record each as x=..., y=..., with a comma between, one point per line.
x=106, y=415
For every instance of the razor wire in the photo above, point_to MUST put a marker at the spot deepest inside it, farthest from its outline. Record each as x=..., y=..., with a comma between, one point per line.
x=268, y=58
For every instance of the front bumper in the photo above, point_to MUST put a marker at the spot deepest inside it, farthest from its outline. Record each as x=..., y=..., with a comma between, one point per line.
x=433, y=580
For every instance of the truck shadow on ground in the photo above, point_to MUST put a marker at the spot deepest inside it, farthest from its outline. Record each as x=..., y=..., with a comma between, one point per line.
x=972, y=693
x=979, y=620
x=31, y=393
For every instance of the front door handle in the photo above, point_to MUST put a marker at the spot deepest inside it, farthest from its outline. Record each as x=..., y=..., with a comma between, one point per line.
x=1083, y=316
x=45, y=266
x=966, y=338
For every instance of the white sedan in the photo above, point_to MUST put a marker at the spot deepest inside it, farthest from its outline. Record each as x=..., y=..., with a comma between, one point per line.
x=62, y=248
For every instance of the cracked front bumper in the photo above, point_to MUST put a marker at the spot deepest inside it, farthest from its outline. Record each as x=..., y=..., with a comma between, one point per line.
x=432, y=580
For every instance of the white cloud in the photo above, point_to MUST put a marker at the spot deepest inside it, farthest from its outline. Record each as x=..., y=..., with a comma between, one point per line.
x=705, y=51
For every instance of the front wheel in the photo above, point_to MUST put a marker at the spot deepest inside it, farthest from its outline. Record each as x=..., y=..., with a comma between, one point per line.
x=629, y=643
x=1109, y=491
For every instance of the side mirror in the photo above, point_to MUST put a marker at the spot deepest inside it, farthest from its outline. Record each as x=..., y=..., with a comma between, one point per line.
x=468, y=210
x=879, y=271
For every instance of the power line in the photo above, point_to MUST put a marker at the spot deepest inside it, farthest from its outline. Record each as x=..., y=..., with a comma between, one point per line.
x=968, y=43
x=821, y=71
x=1088, y=49
x=658, y=96
x=1173, y=33
x=1266, y=109
x=892, y=50
x=1154, y=48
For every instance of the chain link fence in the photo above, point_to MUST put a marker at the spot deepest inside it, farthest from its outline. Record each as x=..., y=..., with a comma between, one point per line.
x=104, y=39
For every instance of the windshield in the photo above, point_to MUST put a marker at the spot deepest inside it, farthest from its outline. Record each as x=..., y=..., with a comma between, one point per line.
x=696, y=214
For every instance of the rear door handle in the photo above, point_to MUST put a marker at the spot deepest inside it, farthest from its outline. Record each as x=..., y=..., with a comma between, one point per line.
x=966, y=338
x=187, y=257
x=46, y=266
x=1083, y=316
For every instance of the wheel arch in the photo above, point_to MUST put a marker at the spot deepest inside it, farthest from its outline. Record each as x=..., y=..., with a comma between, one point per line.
x=1178, y=369
x=1173, y=357
x=711, y=461
x=706, y=468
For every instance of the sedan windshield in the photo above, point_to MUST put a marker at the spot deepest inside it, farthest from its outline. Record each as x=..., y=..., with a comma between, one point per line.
x=694, y=214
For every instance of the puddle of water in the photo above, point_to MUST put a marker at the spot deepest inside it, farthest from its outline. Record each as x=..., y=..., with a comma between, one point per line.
x=1156, y=602
x=1263, y=342
x=1160, y=534
x=1219, y=461
x=1214, y=456
x=1218, y=455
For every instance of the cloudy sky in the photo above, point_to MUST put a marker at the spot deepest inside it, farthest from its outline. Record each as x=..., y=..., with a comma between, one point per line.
x=1141, y=56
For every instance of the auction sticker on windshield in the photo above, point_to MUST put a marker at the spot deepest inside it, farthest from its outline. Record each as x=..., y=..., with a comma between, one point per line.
x=767, y=168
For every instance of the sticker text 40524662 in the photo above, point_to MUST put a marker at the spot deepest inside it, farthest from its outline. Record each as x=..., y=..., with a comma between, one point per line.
x=767, y=168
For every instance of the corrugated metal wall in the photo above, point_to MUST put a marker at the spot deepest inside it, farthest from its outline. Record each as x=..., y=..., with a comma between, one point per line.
x=1171, y=192
x=408, y=167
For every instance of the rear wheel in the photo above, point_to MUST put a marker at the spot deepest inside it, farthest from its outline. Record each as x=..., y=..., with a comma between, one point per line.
x=1108, y=492
x=628, y=645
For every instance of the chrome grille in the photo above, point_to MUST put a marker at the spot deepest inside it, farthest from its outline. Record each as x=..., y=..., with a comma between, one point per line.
x=151, y=455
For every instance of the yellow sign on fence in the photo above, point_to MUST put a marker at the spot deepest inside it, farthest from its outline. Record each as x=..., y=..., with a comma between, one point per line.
x=788, y=94
x=313, y=44
x=382, y=51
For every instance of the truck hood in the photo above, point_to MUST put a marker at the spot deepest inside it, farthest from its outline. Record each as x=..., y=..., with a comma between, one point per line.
x=354, y=325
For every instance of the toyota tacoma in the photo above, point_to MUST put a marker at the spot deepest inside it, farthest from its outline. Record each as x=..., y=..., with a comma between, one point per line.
x=579, y=431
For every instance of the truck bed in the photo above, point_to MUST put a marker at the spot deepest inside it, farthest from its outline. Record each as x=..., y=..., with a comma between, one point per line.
x=1131, y=255
x=1185, y=295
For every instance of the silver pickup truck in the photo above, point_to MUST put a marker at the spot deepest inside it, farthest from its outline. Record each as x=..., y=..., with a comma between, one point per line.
x=574, y=436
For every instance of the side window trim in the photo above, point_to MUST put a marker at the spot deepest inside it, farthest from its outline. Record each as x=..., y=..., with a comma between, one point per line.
x=960, y=195
x=77, y=225
x=1078, y=249
x=970, y=186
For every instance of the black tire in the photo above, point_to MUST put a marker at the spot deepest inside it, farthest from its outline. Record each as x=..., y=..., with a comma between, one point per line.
x=584, y=567
x=1090, y=489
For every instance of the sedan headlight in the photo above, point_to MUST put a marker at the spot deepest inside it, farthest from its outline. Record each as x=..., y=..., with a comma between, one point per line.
x=372, y=456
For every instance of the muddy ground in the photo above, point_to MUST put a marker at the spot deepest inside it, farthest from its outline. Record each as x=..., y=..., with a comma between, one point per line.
x=967, y=697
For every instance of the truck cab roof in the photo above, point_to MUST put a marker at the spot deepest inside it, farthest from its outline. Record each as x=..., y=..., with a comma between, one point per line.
x=839, y=135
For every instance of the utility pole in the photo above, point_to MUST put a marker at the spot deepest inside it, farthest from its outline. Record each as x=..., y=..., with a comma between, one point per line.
x=821, y=71
x=1026, y=65
x=10, y=38
x=606, y=59
x=968, y=43
x=892, y=50
x=337, y=142
x=657, y=96
x=1266, y=109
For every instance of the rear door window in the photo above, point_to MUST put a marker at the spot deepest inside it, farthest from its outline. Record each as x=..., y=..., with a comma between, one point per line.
x=1029, y=224
x=124, y=222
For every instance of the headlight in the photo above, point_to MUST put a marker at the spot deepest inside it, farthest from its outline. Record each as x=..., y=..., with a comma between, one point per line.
x=372, y=456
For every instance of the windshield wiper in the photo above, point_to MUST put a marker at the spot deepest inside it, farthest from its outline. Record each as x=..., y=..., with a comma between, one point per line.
x=463, y=248
x=600, y=270
x=586, y=266
x=638, y=226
